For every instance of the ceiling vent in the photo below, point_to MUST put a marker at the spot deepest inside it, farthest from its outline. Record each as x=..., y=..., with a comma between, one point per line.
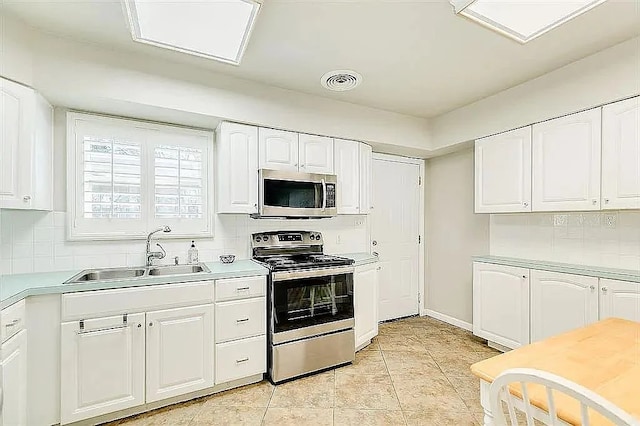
x=341, y=80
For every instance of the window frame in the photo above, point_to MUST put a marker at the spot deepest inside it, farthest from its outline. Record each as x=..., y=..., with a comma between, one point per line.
x=149, y=135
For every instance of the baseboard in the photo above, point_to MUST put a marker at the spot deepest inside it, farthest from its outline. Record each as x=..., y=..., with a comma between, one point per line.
x=449, y=320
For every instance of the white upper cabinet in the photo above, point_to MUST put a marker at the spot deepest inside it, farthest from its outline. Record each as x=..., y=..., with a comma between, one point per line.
x=316, y=154
x=180, y=349
x=26, y=148
x=102, y=366
x=366, y=178
x=347, y=167
x=619, y=299
x=561, y=302
x=566, y=163
x=501, y=304
x=621, y=155
x=278, y=149
x=503, y=172
x=237, y=156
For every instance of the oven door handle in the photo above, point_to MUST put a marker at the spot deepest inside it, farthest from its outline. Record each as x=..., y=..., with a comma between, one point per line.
x=324, y=195
x=311, y=273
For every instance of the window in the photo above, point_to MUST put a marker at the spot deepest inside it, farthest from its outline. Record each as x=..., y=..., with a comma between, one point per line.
x=126, y=178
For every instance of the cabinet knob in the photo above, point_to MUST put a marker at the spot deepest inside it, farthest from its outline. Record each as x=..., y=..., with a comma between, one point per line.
x=606, y=201
x=26, y=198
x=592, y=287
x=594, y=202
x=525, y=204
x=302, y=166
x=524, y=276
x=150, y=324
x=374, y=242
x=604, y=289
x=139, y=325
x=376, y=254
x=379, y=268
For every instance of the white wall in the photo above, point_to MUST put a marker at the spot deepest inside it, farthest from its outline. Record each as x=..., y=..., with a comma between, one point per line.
x=606, y=76
x=454, y=233
x=16, y=58
x=609, y=239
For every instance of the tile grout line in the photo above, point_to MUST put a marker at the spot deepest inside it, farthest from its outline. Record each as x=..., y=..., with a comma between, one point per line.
x=273, y=391
x=384, y=359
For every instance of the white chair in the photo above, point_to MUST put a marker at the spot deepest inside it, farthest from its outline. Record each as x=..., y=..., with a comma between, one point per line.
x=499, y=392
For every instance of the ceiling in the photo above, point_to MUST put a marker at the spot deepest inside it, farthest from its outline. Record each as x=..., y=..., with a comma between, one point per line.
x=416, y=57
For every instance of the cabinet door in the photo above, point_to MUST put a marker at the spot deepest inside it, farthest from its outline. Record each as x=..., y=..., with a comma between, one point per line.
x=102, y=366
x=621, y=155
x=619, y=299
x=347, y=167
x=365, y=303
x=16, y=126
x=566, y=163
x=237, y=155
x=561, y=302
x=14, y=380
x=503, y=172
x=366, y=178
x=501, y=304
x=316, y=154
x=179, y=351
x=278, y=150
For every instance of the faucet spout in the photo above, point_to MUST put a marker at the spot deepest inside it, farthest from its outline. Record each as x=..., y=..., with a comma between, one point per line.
x=155, y=254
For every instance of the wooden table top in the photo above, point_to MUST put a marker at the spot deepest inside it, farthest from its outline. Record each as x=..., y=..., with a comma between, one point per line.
x=603, y=357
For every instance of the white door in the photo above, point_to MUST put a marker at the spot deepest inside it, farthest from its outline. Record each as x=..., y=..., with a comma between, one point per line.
x=347, y=167
x=621, y=155
x=102, y=366
x=237, y=155
x=316, y=154
x=501, y=304
x=395, y=228
x=561, y=302
x=278, y=149
x=16, y=125
x=366, y=178
x=179, y=351
x=503, y=172
x=14, y=380
x=619, y=299
x=365, y=295
x=566, y=163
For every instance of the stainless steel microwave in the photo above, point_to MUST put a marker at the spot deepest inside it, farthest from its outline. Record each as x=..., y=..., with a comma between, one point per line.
x=296, y=195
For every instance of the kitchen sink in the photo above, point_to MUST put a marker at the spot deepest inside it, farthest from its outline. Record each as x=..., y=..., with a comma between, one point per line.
x=177, y=269
x=111, y=274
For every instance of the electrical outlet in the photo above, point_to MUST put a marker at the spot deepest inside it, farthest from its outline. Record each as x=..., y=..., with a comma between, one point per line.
x=338, y=239
x=610, y=220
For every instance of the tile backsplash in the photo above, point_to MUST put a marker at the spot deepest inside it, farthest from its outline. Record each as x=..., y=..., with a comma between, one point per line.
x=36, y=241
x=608, y=239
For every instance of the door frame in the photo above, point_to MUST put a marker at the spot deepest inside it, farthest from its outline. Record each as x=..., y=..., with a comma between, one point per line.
x=420, y=297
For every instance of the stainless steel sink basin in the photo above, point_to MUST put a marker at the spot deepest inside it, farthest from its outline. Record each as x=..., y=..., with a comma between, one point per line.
x=111, y=274
x=177, y=269
x=108, y=274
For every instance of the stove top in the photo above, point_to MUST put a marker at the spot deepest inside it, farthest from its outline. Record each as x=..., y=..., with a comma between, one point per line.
x=301, y=261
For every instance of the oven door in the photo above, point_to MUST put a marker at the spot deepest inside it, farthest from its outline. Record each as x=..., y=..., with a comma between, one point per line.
x=292, y=194
x=310, y=303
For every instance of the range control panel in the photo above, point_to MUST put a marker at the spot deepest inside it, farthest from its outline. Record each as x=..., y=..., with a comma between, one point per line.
x=286, y=238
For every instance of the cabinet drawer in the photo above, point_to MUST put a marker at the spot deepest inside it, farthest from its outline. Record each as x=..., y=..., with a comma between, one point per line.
x=241, y=358
x=240, y=319
x=102, y=303
x=12, y=320
x=240, y=288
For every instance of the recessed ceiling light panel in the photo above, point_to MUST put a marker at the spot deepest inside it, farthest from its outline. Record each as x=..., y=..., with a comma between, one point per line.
x=214, y=29
x=341, y=80
x=522, y=20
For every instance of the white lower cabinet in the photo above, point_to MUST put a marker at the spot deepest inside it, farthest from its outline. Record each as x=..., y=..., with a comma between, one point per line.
x=102, y=366
x=501, y=304
x=14, y=380
x=238, y=319
x=179, y=351
x=241, y=358
x=561, y=302
x=619, y=299
x=365, y=291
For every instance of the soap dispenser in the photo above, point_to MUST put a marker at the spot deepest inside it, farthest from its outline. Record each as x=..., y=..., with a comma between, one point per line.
x=192, y=254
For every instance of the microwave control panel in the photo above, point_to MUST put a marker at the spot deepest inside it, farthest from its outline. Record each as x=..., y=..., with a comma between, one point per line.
x=331, y=195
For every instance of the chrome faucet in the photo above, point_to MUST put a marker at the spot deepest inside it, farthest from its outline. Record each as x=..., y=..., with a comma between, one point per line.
x=156, y=254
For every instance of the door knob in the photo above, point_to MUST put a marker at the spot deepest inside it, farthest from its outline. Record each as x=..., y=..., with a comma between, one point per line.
x=26, y=198
x=374, y=242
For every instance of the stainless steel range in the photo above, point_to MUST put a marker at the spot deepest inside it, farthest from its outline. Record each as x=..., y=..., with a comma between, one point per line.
x=310, y=304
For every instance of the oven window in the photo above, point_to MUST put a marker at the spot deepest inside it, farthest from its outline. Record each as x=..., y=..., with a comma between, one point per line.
x=299, y=195
x=310, y=301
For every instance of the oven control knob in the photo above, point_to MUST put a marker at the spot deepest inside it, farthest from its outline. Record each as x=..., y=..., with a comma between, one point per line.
x=265, y=238
x=312, y=237
x=258, y=238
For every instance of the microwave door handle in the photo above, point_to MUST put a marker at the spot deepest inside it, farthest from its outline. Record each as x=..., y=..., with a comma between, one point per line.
x=324, y=194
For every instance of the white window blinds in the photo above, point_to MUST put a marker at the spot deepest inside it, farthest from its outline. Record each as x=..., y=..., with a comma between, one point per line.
x=127, y=177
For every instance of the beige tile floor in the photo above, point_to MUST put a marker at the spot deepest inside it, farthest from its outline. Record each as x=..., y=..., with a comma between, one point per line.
x=416, y=372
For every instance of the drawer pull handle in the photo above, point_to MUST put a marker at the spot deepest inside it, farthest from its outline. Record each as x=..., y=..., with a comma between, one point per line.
x=13, y=323
x=243, y=288
x=242, y=320
x=125, y=324
x=238, y=361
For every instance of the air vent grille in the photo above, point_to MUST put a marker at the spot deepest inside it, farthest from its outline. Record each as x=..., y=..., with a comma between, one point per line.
x=341, y=80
